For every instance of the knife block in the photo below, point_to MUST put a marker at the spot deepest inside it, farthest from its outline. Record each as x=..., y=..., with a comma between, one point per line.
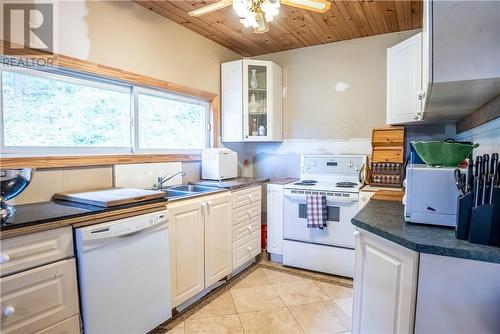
x=485, y=223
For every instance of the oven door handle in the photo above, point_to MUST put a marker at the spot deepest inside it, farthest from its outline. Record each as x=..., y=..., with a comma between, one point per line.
x=328, y=198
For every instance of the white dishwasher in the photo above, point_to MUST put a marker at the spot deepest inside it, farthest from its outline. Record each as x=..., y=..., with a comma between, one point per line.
x=124, y=276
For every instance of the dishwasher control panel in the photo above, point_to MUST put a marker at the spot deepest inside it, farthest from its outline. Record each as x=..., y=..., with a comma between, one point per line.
x=124, y=227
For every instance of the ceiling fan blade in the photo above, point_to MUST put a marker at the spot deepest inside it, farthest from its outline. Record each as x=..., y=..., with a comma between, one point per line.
x=210, y=8
x=319, y=6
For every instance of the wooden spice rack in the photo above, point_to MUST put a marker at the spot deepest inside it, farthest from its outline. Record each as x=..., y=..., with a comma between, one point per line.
x=387, y=166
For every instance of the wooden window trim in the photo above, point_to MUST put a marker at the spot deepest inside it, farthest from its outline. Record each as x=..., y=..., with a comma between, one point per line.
x=92, y=160
x=86, y=67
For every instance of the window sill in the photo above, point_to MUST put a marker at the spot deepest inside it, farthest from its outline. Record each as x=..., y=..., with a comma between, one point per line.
x=92, y=160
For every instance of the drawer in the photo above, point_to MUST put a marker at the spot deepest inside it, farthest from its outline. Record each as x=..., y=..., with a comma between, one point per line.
x=245, y=249
x=246, y=196
x=39, y=298
x=388, y=137
x=246, y=228
x=68, y=326
x=387, y=154
x=246, y=212
x=36, y=249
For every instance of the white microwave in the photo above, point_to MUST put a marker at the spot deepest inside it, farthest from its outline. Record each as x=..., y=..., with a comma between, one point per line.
x=219, y=164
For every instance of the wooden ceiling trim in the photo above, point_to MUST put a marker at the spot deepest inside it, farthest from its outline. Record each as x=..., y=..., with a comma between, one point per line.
x=294, y=27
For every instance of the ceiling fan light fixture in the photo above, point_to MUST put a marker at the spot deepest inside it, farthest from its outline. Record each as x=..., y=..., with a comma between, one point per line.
x=242, y=8
x=270, y=9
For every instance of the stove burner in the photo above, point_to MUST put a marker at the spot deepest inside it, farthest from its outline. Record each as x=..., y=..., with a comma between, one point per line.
x=306, y=183
x=346, y=184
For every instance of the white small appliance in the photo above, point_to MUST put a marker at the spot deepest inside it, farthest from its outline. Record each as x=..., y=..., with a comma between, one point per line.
x=329, y=250
x=431, y=195
x=124, y=276
x=219, y=164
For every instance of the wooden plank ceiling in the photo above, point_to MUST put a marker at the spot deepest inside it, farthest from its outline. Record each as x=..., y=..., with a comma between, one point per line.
x=294, y=28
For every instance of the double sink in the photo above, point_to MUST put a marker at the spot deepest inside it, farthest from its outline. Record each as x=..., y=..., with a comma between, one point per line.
x=186, y=191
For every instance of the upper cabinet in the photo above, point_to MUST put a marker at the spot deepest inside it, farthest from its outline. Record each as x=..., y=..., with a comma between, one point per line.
x=252, y=97
x=404, y=81
x=458, y=59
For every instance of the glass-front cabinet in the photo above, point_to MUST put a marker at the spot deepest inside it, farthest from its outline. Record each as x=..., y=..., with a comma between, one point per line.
x=252, y=97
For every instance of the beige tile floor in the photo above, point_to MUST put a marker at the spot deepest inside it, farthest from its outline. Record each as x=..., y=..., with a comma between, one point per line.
x=274, y=302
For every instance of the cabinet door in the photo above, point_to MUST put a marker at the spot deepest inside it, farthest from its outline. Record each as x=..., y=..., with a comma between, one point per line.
x=385, y=282
x=187, y=250
x=35, y=299
x=275, y=219
x=232, y=101
x=218, y=238
x=404, y=81
x=257, y=100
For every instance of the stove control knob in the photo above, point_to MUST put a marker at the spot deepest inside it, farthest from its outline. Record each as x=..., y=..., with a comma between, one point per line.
x=356, y=168
x=308, y=166
x=350, y=164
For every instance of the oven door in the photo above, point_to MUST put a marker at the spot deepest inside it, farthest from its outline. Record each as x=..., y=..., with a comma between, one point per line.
x=339, y=231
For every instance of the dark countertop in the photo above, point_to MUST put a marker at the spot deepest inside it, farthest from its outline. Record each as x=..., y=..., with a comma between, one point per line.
x=385, y=219
x=233, y=184
x=46, y=212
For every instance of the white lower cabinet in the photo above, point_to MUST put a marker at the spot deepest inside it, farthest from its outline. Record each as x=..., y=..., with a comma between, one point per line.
x=385, y=285
x=200, y=244
x=246, y=225
x=218, y=239
x=35, y=300
x=275, y=219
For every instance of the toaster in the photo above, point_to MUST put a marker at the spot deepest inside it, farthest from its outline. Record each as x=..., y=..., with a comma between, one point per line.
x=431, y=195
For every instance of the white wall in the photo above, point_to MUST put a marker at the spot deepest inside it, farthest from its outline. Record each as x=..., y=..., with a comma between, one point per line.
x=318, y=118
x=127, y=36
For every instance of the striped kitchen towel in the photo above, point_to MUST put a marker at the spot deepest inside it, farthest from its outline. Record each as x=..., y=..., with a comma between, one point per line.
x=316, y=211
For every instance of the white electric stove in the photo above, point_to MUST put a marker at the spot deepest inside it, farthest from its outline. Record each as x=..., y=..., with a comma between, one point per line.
x=329, y=250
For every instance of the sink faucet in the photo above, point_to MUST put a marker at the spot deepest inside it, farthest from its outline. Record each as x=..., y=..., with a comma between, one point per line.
x=162, y=179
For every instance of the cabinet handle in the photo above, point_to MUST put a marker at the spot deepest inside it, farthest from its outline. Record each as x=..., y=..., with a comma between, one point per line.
x=4, y=258
x=250, y=197
x=250, y=249
x=356, y=234
x=249, y=212
x=249, y=227
x=9, y=311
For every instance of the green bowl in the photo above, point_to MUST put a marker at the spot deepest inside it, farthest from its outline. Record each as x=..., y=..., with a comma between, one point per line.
x=442, y=153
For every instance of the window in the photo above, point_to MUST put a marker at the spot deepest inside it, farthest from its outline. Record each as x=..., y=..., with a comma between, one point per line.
x=44, y=113
x=169, y=122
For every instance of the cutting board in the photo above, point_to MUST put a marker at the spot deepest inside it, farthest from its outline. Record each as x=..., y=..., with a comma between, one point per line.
x=111, y=196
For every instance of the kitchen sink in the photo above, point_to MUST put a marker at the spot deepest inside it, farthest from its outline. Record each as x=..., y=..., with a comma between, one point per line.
x=186, y=191
x=192, y=188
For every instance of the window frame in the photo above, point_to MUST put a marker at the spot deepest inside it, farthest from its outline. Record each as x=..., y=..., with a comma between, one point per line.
x=109, y=84
x=137, y=90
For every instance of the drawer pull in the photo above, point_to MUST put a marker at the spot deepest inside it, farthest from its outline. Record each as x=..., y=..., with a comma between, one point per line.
x=250, y=227
x=356, y=234
x=249, y=212
x=250, y=197
x=250, y=249
x=4, y=259
x=9, y=311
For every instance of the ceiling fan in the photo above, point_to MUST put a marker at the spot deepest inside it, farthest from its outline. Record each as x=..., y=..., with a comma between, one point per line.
x=257, y=13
